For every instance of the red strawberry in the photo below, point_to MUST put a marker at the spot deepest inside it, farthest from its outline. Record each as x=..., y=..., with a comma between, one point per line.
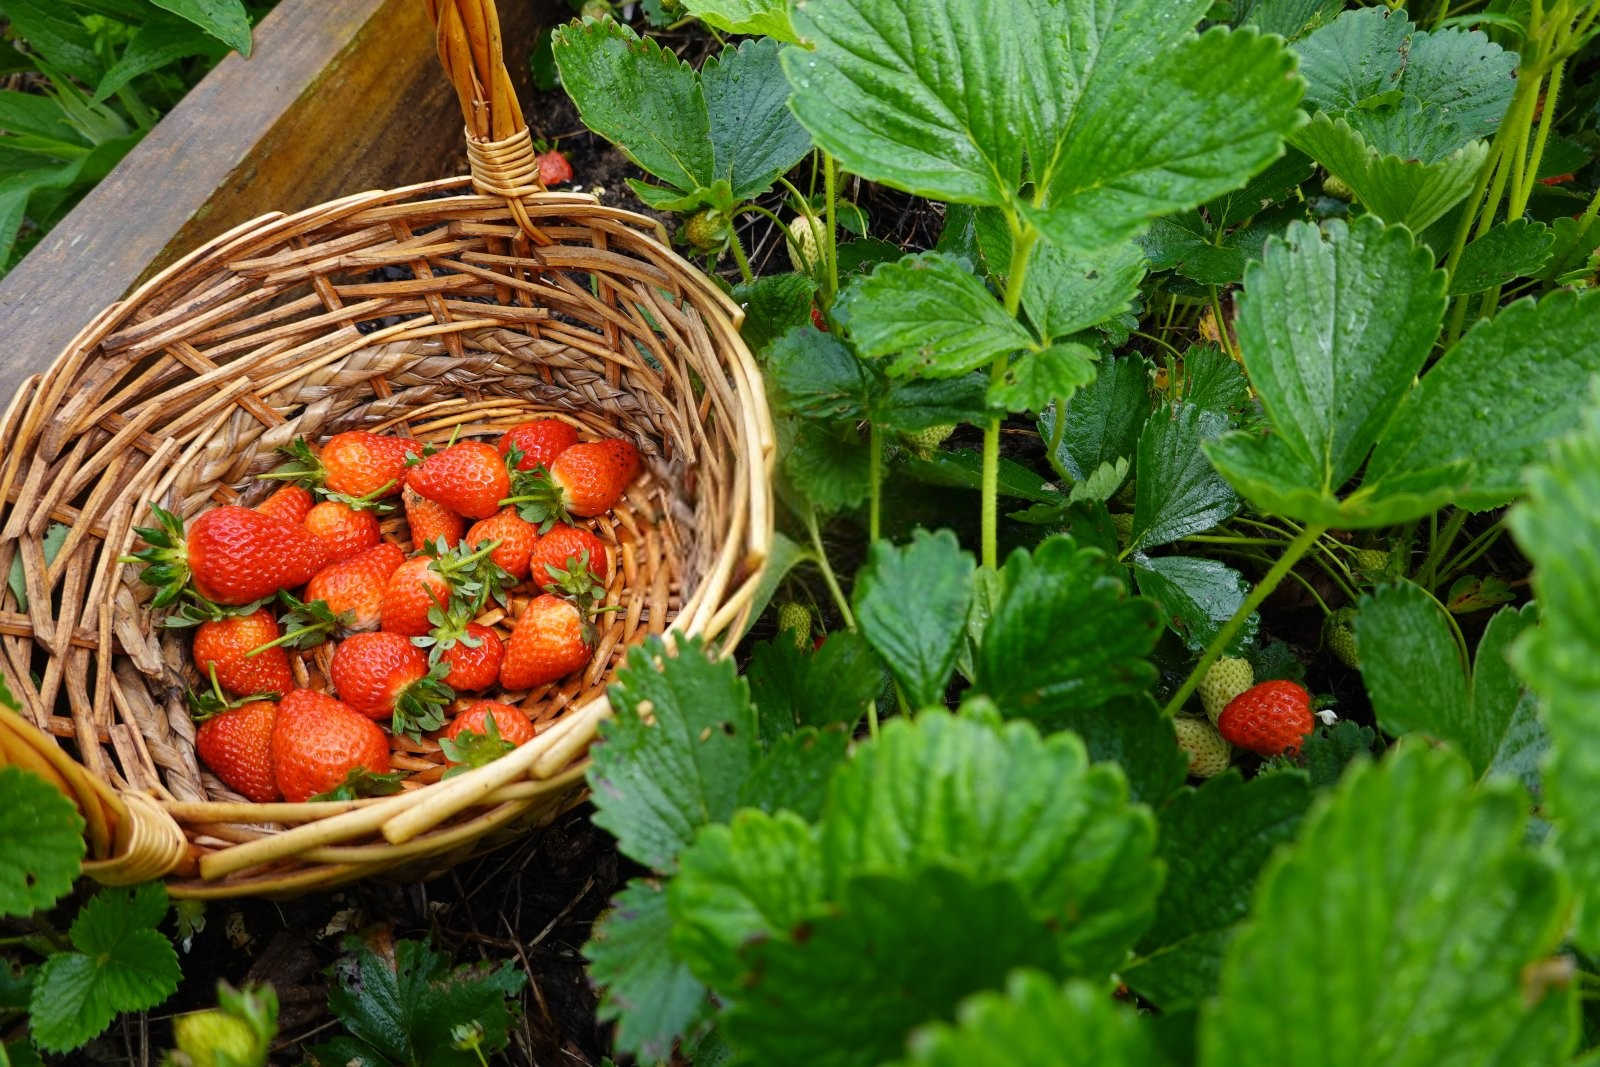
x=415, y=589
x=383, y=675
x=554, y=169
x=224, y=645
x=430, y=522
x=515, y=538
x=355, y=463
x=318, y=741
x=483, y=733
x=237, y=746
x=538, y=442
x=232, y=555
x=345, y=530
x=561, y=548
x=550, y=641
x=587, y=479
x=469, y=478
x=289, y=504
x=473, y=658
x=1269, y=718
x=354, y=588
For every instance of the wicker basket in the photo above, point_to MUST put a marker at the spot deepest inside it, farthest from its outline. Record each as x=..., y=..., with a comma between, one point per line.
x=461, y=305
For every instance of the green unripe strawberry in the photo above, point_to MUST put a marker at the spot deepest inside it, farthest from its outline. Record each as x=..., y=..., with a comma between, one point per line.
x=804, y=253
x=594, y=9
x=1341, y=637
x=706, y=231
x=1224, y=680
x=1372, y=562
x=1123, y=521
x=795, y=620
x=1338, y=188
x=924, y=443
x=1209, y=754
x=236, y=1033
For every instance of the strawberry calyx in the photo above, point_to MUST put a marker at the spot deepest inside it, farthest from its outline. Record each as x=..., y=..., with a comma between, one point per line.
x=360, y=782
x=306, y=624
x=166, y=560
x=471, y=749
x=304, y=467
x=419, y=707
x=537, y=498
x=472, y=574
x=208, y=704
x=449, y=630
x=372, y=501
x=576, y=585
x=195, y=609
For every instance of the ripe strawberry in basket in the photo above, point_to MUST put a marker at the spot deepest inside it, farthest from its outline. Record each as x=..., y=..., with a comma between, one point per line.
x=514, y=539
x=587, y=479
x=289, y=503
x=429, y=521
x=482, y=733
x=425, y=590
x=354, y=464
x=235, y=741
x=468, y=477
x=536, y=443
x=319, y=744
x=346, y=528
x=470, y=653
x=224, y=646
x=230, y=555
x=384, y=675
x=553, y=636
x=562, y=546
x=354, y=588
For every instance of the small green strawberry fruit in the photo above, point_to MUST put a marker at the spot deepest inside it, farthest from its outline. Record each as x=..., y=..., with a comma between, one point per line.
x=236, y=1033
x=706, y=231
x=1371, y=562
x=924, y=443
x=1208, y=753
x=1224, y=680
x=795, y=620
x=1338, y=188
x=1123, y=521
x=1341, y=637
x=807, y=236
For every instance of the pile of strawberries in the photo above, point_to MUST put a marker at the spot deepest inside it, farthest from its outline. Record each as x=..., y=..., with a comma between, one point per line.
x=482, y=522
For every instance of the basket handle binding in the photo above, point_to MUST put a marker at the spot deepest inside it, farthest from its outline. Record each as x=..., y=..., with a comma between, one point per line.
x=499, y=145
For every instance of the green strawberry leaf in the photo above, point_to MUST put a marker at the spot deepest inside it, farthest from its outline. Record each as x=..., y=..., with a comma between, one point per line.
x=932, y=314
x=1178, y=492
x=829, y=686
x=1287, y=18
x=1065, y=635
x=1408, y=645
x=769, y=17
x=656, y=783
x=1213, y=381
x=1034, y=380
x=55, y=535
x=405, y=1007
x=646, y=989
x=1559, y=528
x=641, y=97
x=774, y=305
x=1132, y=733
x=1330, y=749
x=226, y=20
x=1038, y=1022
x=1516, y=249
x=1064, y=292
x=1103, y=419
x=1409, y=953
x=1396, y=188
x=1196, y=595
x=1497, y=398
x=814, y=374
x=826, y=464
x=913, y=404
x=121, y=963
x=794, y=771
x=1214, y=842
x=911, y=605
x=963, y=469
x=754, y=137
x=41, y=854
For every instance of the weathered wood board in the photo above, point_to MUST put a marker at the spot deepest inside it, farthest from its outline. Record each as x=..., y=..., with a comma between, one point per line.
x=339, y=96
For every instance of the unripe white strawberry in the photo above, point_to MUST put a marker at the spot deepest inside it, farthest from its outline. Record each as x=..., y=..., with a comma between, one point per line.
x=926, y=442
x=1208, y=752
x=803, y=253
x=1224, y=680
x=1341, y=637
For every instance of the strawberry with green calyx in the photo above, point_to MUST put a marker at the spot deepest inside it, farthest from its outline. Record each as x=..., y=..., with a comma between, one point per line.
x=794, y=620
x=470, y=653
x=360, y=782
x=229, y=555
x=1224, y=680
x=1371, y=563
x=351, y=592
x=345, y=529
x=536, y=443
x=482, y=733
x=706, y=231
x=514, y=539
x=384, y=675
x=318, y=741
x=554, y=636
x=1208, y=751
x=306, y=624
x=924, y=443
x=586, y=480
x=430, y=521
x=355, y=463
x=238, y=1032
x=288, y=503
x=1340, y=634
x=234, y=739
x=454, y=580
x=241, y=652
x=560, y=547
x=1269, y=719
x=468, y=477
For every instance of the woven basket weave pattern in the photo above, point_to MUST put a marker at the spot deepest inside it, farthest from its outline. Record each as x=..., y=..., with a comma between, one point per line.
x=432, y=310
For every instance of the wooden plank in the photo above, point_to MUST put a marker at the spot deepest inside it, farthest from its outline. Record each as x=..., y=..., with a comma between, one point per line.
x=338, y=97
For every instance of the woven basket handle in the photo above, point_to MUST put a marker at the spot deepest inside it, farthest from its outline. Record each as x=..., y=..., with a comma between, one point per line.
x=499, y=146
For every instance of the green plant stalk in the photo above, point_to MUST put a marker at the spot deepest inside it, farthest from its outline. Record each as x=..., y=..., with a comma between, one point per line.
x=832, y=582
x=1023, y=238
x=1222, y=327
x=1291, y=555
x=788, y=238
x=830, y=186
x=1525, y=169
x=739, y=256
x=1474, y=550
x=875, y=479
x=1439, y=545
